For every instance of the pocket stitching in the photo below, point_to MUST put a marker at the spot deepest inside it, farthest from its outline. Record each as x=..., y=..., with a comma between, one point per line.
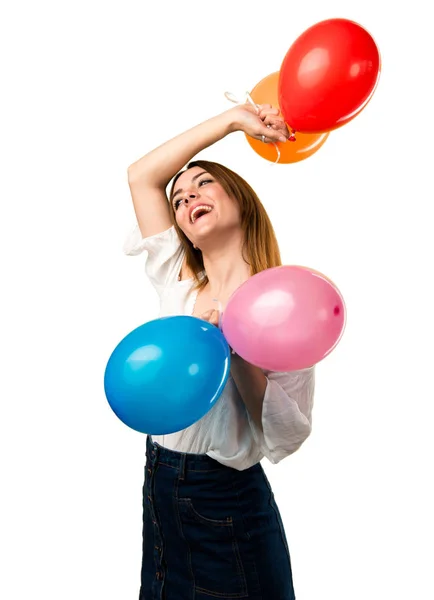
x=228, y=522
x=235, y=549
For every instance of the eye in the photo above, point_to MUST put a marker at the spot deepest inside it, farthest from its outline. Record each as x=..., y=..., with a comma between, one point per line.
x=204, y=181
x=177, y=203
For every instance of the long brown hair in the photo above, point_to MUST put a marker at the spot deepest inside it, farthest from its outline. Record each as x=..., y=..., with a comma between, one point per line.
x=260, y=247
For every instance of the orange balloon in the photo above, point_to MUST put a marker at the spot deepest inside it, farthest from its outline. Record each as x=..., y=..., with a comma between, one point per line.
x=305, y=144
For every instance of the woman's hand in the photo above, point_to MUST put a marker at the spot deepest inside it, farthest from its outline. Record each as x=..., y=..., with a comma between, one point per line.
x=268, y=122
x=212, y=316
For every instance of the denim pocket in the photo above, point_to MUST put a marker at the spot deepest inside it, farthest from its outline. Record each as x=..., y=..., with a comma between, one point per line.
x=214, y=553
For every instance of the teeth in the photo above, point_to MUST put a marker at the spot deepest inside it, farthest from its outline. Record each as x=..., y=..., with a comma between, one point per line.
x=201, y=207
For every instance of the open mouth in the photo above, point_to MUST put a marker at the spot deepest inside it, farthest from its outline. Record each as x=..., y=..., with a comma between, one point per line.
x=199, y=211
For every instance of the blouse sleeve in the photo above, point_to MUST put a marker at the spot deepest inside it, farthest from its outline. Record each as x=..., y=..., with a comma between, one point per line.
x=165, y=255
x=286, y=413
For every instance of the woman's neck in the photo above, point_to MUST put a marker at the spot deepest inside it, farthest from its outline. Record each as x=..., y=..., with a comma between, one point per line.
x=226, y=270
x=224, y=265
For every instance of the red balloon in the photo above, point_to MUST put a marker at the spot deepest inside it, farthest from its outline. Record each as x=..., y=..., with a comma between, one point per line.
x=328, y=76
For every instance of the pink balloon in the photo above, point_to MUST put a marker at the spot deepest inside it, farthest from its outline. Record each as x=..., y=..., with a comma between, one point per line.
x=285, y=318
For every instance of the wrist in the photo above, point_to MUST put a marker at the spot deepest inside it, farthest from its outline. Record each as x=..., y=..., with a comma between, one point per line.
x=230, y=120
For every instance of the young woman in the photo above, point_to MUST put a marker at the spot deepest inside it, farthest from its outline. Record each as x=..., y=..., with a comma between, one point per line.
x=211, y=526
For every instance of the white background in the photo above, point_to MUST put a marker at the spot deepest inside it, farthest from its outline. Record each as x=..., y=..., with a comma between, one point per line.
x=89, y=87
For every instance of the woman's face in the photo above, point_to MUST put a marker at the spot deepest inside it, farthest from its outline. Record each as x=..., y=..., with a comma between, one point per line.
x=202, y=207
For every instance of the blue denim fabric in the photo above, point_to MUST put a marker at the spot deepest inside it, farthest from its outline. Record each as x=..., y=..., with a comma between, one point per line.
x=210, y=531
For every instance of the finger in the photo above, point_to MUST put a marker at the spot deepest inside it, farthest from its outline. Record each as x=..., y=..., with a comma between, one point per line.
x=262, y=107
x=214, y=320
x=274, y=120
x=273, y=135
x=207, y=314
x=212, y=316
x=268, y=111
x=256, y=108
x=278, y=125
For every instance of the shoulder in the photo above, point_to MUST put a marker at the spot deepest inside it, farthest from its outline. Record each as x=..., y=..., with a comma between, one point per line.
x=186, y=272
x=135, y=244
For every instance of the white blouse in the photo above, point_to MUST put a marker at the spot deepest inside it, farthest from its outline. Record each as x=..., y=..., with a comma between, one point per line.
x=227, y=433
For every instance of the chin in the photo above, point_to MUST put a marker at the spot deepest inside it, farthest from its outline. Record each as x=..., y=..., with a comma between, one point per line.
x=204, y=231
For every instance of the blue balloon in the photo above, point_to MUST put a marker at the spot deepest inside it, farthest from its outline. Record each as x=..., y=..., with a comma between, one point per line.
x=167, y=374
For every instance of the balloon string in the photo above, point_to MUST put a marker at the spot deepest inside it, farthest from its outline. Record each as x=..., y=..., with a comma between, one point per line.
x=220, y=307
x=229, y=96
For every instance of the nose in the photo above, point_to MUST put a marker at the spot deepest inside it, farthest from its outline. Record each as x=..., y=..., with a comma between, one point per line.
x=190, y=197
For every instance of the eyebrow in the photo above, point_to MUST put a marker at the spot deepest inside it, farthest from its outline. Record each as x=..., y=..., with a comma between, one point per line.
x=193, y=179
